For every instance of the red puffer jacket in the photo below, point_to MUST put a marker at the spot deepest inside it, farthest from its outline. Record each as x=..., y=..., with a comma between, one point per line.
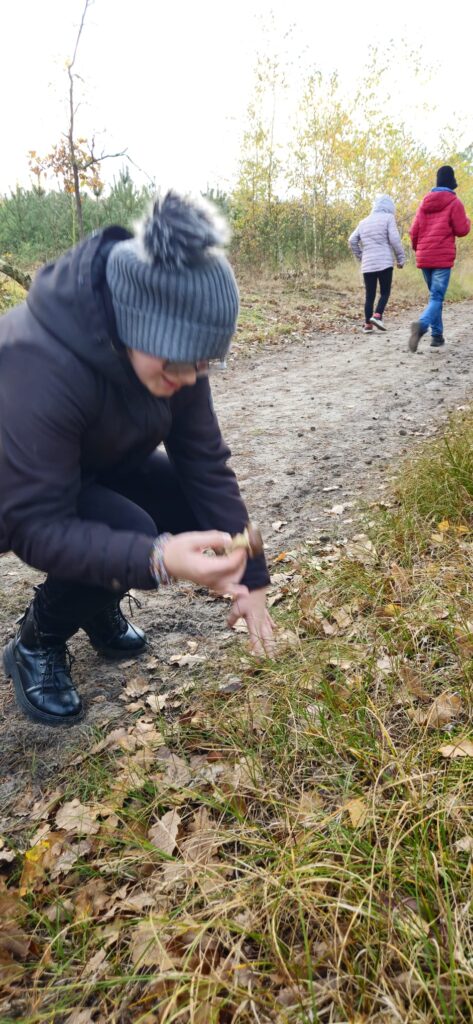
x=440, y=218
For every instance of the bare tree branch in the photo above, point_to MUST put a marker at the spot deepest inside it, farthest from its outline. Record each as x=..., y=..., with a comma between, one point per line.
x=98, y=159
x=15, y=274
x=81, y=26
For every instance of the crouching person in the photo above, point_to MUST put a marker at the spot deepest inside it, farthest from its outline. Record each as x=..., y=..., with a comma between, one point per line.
x=108, y=358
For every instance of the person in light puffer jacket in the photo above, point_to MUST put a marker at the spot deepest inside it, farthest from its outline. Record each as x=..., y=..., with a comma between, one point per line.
x=439, y=220
x=375, y=243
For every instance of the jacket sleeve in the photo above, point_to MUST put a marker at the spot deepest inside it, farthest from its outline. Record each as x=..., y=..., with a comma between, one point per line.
x=460, y=222
x=43, y=414
x=354, y=242
x=414, y=232
x=200, y=457
x=395, y=242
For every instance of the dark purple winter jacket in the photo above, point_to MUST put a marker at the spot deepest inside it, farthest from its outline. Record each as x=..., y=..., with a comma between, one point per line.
x=72, y=409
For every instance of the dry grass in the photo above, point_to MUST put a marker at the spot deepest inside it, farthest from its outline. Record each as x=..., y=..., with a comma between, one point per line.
x=276, y=308
x=313, y=861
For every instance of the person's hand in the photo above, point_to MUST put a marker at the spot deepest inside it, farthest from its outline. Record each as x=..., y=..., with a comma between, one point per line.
x=399, y=266
x=184, y=559
x=252, y=608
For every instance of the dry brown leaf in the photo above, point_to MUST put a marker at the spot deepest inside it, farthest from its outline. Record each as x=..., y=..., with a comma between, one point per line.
x=96, y=967
x=400, y=580
x=385, y=665
x=91, y=899
x=6, y=855
x=186, y=660
x=34, y=866
x=136, y=687
x=156, y=701
x=146, y=734
x=135, y=705
x=176, y=770
x=76, y=817
x=240, y=626
x=201, y=844
x=59, y=859
x=13, y=939
x=80, y=1017
x=413, y=682
x=442, y=711
x=462, y=748
x=358, y=811
x=464, y=845
x=163, y=833
x=117, y=739
x=278, y=525
x=147, y=948
x=338, y=510
x=342, y=617
x=361, y=549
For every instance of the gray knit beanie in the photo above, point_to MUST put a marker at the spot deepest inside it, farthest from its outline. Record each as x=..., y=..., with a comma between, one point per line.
x=173, y=290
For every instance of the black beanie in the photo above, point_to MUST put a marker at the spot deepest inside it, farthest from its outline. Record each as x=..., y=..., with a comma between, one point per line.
x=446, y=177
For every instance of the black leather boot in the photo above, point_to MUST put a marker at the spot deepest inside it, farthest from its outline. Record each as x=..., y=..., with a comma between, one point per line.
x=39, y=665
x=112, y=635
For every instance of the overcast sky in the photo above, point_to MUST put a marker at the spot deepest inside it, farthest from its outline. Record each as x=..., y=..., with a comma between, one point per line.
x=171, y=81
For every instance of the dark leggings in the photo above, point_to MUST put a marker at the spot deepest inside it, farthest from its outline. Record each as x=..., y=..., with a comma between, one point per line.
x=148, y=500
x=385, y=278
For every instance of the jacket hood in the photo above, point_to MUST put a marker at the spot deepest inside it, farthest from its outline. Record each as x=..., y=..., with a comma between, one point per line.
x=383, y=204
x=70, y=299
x=434, y=202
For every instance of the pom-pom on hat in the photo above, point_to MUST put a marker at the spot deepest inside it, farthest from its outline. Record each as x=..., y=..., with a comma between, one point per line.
x=173, y=290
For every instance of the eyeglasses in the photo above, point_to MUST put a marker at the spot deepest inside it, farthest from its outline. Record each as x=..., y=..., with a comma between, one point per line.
x=201, y=368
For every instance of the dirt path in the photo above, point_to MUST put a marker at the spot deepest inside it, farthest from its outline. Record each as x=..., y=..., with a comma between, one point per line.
x=311, y=425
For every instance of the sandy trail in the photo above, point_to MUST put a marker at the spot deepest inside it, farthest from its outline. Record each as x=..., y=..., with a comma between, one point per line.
x=311, y=424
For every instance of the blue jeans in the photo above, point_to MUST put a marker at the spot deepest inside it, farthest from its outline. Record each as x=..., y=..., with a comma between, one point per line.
x=437, y=283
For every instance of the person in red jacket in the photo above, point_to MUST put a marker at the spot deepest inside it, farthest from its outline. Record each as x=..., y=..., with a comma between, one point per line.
x=439, y=220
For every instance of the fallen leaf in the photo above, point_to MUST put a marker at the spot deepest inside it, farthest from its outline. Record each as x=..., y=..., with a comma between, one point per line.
x=96, y=967
x=80, y=1017
x=185, y=660
x=361, y=549
x=385, y=665
x=278, y=525
x=76, y=817
x=342, y=617
x=413, y=682
x=358, y=811
x=163, y=833
x=462, y=748
x=117, y=739
x=200, y=845
x=240, y=626
x=156, y=701
x=60, y=860
x=442, y=711
x=147, y=947
x=464, y=845
x=6, y=855
x=136, y=687
x=443, y=526
x=91, y=899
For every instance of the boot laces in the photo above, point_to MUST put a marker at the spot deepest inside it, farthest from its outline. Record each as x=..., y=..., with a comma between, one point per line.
x=57, y=660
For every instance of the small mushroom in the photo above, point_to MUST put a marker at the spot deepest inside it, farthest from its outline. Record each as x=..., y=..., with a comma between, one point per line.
x=250, y=539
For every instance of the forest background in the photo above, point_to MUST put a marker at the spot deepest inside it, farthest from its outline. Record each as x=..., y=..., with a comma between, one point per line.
x=297, y=192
